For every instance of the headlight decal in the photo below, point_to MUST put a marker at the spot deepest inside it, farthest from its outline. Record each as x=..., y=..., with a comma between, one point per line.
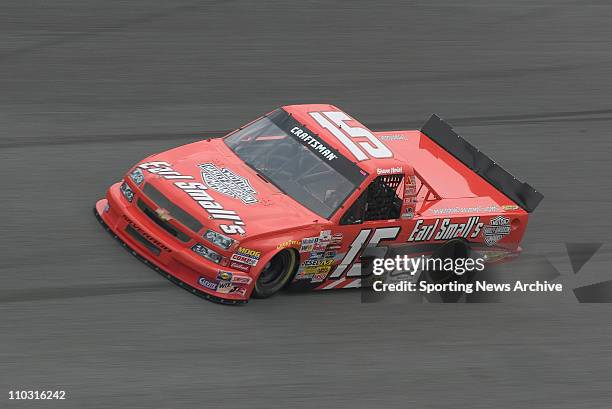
x=207, y=253
x=127, y=191
x=137, y=176
x=218, y=239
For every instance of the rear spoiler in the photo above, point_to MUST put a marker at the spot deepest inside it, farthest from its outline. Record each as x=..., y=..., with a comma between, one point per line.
x=521, y=193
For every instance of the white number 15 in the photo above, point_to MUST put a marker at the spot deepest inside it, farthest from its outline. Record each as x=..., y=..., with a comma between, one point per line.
x=335, y=122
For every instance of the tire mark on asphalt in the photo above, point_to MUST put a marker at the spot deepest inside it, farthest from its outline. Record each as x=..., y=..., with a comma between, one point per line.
x=494, y=120
x=58, y=293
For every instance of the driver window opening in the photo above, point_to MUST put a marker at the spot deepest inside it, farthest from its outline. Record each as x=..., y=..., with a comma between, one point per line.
x=380, y=201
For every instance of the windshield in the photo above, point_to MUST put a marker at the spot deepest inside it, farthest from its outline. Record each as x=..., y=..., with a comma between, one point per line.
x=306, y=169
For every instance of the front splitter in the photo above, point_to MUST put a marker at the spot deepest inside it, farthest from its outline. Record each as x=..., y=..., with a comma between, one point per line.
x=164, y=273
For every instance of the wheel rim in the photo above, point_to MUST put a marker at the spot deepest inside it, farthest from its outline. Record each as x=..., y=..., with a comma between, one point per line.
x=274, y=271
x=454, y=251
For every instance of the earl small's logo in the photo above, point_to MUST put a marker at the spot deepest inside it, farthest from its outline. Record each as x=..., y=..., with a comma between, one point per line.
x=163, y=214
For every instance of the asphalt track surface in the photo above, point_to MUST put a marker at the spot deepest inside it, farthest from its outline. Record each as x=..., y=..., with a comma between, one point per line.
x=89, y=87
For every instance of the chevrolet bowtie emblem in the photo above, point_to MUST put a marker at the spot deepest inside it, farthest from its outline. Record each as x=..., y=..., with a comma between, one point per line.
x=163, y=214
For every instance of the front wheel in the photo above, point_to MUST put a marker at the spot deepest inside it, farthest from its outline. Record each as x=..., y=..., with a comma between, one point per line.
x=275, y=274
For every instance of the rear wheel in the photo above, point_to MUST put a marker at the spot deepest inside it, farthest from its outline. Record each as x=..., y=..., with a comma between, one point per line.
x=453, y=249
x=275, y=274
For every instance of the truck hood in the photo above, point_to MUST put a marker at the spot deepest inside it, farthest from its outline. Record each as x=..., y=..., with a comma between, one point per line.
x=249, y=200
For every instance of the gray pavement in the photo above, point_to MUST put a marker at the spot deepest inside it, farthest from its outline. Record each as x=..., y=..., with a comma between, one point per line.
x=89, y=87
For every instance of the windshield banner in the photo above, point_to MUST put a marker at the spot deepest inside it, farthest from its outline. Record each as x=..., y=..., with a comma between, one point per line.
x=318, y=146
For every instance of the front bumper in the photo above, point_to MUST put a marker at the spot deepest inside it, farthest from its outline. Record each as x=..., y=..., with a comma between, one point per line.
x=175, y=261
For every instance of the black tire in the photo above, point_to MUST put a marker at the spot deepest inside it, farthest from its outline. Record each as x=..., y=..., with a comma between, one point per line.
x=454, y=249
x=276, y=274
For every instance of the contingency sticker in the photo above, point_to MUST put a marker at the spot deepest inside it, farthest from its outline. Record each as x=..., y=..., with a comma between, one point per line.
x=246, y=256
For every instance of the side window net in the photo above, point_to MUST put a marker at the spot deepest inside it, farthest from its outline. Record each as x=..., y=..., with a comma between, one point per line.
x=381, y=201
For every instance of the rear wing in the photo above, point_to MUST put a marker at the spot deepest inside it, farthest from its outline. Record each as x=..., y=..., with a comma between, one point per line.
x=521, y=193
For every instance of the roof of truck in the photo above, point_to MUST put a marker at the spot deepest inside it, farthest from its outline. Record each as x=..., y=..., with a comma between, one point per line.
x=339, y=125
x=448, y=176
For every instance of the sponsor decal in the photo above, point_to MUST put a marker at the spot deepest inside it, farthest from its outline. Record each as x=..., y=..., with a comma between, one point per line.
x=226, y=287
x=289, y=243
x=410, y=199
x=320, y=246
x=317, y=270
x=227, y=283
x=318, y=278
x=316, y=144
x=238, y=290
x=475, y=209
x=241, y=280
x=316, y=254
x=408, y=214
x=240, y=266
x=388, y=171
x=207, y=284
x=198, y=192
x=320, y=262
x=445, y=229
x=510, y=207
x=392, y=138
x=246, y=256
x=312, y=267
x=336, y=238
x=224, y=276
x=163, y=169
x=497, y=228
x=319, y=243
x=330, y=254
x=308, y=244
x=225, y=181
x=301, y=275
x=325, y=236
